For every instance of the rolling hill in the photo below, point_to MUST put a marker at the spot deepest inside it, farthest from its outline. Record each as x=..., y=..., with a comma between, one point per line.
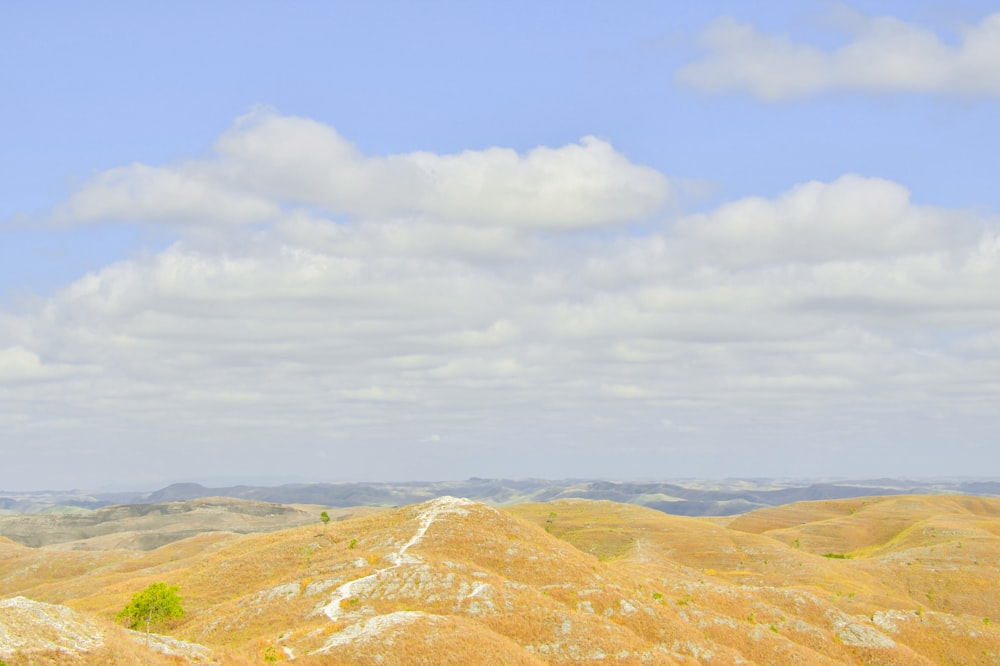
x=877, y=580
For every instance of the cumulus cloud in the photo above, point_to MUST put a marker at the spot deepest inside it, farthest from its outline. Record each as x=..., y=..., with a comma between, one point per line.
x=269, y=162
x=851, y=218
x=834, y=315
x=18, y=363
x=183, y=196
x=884, y=55
x=20, y=366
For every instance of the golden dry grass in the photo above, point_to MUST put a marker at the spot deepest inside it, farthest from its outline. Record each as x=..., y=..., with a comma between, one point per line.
x=569, y=581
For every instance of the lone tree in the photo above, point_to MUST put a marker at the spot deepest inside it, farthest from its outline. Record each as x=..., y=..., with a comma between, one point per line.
x=324, y=518
x=156, y=603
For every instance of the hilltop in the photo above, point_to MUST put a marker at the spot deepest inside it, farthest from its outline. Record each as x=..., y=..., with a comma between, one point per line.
x=876, y=580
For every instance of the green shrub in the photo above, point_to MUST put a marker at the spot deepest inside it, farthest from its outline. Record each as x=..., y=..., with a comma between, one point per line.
x=156, y=603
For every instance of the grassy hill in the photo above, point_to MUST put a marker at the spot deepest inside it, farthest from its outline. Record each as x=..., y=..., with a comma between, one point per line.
x=148, y=526
x=878, y=580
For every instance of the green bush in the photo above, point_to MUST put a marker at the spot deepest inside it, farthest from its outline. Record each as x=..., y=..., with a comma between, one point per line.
x=156, y=603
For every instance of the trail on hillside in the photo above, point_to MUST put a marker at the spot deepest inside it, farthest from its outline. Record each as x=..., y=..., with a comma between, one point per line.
x=349, y=590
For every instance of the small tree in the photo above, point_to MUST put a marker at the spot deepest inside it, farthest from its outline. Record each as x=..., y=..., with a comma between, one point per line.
x=324, y=518
x=156, y=603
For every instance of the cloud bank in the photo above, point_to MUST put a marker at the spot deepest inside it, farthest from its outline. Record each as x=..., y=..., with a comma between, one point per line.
x=351, y=316
x=884, y=55
x=269, y=162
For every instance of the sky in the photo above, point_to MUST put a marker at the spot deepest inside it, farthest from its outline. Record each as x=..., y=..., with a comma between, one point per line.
x=377, y=241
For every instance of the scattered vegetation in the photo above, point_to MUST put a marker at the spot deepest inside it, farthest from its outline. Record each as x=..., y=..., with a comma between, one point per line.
x=155, y=604
x=491, y=583
x=549, y=521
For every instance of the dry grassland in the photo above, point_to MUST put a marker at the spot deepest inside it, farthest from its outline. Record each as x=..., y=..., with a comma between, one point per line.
x=879, y=580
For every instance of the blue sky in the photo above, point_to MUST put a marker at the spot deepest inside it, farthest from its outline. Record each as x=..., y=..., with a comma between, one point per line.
x=374, y=241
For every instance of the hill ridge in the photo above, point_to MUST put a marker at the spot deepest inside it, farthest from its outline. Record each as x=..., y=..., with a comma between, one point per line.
x=456, y=581
x=426, y=515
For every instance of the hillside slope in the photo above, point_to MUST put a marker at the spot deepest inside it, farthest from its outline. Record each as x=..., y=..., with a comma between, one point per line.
x=571, y=581
x=149, y=526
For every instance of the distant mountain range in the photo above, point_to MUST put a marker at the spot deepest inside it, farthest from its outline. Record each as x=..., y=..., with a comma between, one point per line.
x=678, y=497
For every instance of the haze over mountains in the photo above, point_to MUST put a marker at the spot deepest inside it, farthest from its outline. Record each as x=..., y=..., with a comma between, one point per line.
x=689, y=497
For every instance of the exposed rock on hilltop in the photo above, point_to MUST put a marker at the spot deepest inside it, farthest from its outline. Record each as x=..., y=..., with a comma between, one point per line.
x=884, y=580
x=33, y=632
x=28, y=626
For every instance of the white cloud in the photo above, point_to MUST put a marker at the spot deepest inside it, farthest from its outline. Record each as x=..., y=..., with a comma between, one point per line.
x=21, y=366
x=851, y=218
x=833, y=312
x=500, y=332
x=183, y=195
x=885, y=55
x=627, y=391
x=268, y=162
x=18, y=363
x=377, y=394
